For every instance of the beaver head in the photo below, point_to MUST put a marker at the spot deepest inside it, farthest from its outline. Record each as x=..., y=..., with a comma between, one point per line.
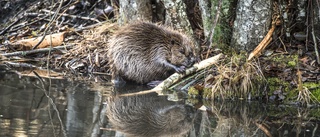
x=181, y=52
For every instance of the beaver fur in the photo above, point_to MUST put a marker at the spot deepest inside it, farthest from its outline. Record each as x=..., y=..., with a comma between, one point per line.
x=143, y=52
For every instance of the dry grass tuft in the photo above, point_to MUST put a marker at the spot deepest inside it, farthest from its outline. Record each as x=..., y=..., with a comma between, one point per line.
x=237, y=78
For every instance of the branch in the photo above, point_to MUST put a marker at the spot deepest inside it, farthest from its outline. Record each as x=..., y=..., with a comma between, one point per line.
x=263, y=44
x=176, y=76
x=35, y=51
x=314, y=37
x=72, y=16
x=266, y=40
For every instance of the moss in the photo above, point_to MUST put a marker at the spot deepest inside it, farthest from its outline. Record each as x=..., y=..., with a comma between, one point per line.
x=292, y=93
x=314, y=88
x=292, y=64
x=315, y=113
x=207, y=93
x=193, y=92
x=285, y=60
x=192, y=101
x=311, y=85
x=275, y=83
x=316, y=94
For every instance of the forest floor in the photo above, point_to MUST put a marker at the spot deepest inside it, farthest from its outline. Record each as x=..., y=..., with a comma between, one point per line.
x=79, y=33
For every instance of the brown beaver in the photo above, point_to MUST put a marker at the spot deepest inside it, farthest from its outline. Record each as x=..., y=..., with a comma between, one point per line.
x=143, y=52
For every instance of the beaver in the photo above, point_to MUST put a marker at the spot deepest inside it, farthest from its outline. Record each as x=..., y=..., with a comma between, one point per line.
x=150, y=115
x=143, y=52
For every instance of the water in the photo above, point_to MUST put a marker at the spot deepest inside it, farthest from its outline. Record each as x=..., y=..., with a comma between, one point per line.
x=29, y=107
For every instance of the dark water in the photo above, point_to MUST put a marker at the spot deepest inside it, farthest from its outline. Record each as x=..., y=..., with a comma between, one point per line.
x=29, y=107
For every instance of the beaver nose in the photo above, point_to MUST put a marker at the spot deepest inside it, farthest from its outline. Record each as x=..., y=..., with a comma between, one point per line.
x=191, y=61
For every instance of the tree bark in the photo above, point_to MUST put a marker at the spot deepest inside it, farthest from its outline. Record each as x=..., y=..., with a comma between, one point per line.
x=176, y=16
x=135, y=10
x=252, y=22
x=206, y=14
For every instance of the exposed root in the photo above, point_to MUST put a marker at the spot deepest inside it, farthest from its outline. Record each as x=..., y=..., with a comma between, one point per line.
x=306, y=97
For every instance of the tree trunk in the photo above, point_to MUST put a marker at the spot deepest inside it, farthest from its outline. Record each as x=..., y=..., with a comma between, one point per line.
x=172, y=13
x=135, y=10
x=206, y=14
x=176, y=16
x=252, y=22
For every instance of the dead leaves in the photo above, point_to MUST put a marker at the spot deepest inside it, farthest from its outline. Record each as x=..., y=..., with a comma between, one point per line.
x=49, y=40
x=41, y=73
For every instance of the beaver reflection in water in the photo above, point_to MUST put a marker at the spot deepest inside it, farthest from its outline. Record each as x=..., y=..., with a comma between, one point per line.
x=150, y=116
x=143, y=52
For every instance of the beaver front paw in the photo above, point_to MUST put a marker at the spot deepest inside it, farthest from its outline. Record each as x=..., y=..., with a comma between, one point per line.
x=180, y=69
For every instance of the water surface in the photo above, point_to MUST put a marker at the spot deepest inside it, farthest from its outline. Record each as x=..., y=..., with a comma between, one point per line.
x=31, y=107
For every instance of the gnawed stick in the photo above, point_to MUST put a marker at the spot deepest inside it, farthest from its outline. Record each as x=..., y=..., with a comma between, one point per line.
x=176, y=76
x=266, y=40
x=263, y=44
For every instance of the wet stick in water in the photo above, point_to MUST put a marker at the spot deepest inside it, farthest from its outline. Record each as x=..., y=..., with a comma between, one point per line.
x=176, y=76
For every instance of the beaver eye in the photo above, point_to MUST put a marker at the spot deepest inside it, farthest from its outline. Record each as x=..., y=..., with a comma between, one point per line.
x=175, y=42
x=172, y=42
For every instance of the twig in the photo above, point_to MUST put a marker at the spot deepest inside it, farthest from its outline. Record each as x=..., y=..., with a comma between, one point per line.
x=307, y=23
x=318, y=9
x=266, y=40
x=4, y=30
x=214, y=26
x=42, y=38
x=19, y=65
x=19, y=26
x=194, y=79
x=35, y=51
x=50, y=100
x=313, y=36
x=54, y=17
x=264, y=129
x=72, y=16
x=176, y=76
x=91, y=26
x=314, y=130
